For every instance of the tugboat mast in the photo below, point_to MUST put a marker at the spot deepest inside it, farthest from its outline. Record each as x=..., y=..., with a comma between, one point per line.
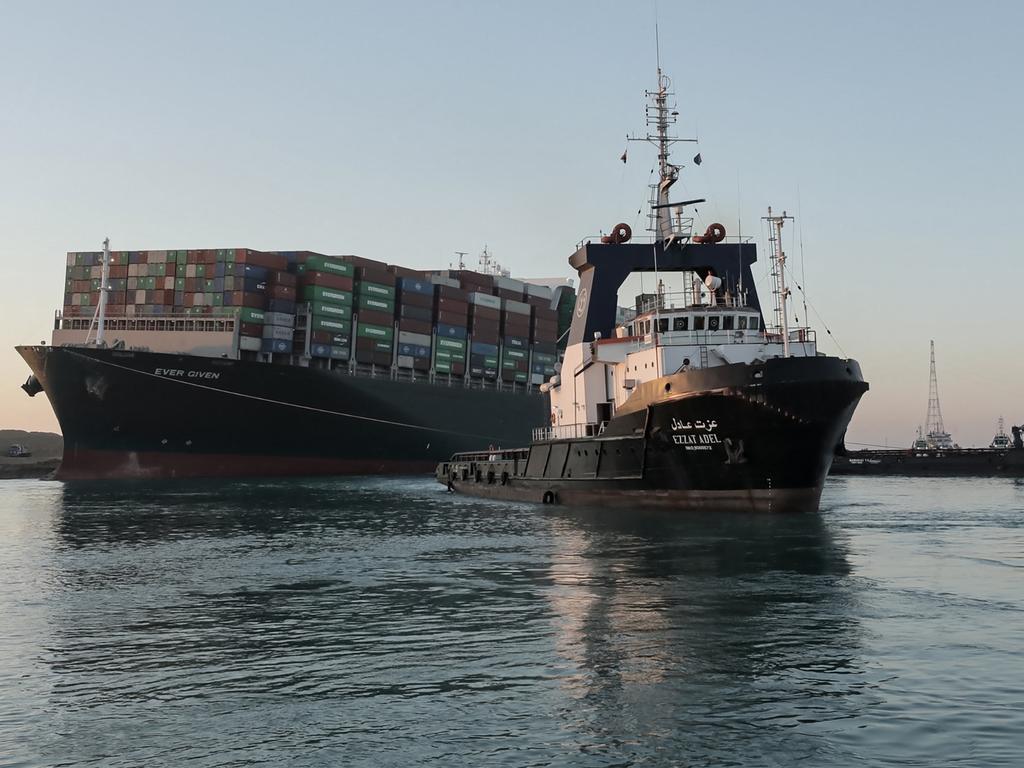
x=780, y=291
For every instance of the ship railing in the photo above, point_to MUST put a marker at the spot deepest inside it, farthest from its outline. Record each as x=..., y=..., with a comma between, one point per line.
x=148, y=323
x=437, y=379
x=569, y=431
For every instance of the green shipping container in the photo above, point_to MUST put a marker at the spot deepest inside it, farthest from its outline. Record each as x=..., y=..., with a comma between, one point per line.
x=490, y=362
x=514, y=354
x=218, y=299
x=381, y=332
x=376, y=304
x=179, y=283
x=179, y=269
x=457, y=345
x=521, y=377
x=200, y=270
x=323, y=309
x=442, y=366
x=332, y=295
x=330, y=266
x=330, y=324
x=250, y=315
x=449, y=356
x=377, y=290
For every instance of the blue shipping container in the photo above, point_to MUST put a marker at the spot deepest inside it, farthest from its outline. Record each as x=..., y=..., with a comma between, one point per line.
x=252, y=271
x=414, y=350
x=284, y=306
x=276, y=345
x=254, y=284
x=479, y=348
x=451, y=331
x=416, y=285
x=339, y=353
x=319, y=350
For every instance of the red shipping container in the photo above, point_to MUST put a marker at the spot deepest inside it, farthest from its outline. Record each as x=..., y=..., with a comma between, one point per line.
x=281, y=292
x=484, y=313
x=376, y=318
x=415, y=300
x=452, y=306
x=283, y=278
x=448, y=292
x=320, y=337
x=379, y=276
x=252, y=299
x=261, y=259
x=452, y=318
x=404, y=271
x=360, y=262
x=250, y=329
x=413, y=326
x=326, y=280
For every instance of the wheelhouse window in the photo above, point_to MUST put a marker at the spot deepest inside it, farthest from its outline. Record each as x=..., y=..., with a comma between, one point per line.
x=713, y=323
x=680, y=323
x=753, y=323
x=662, y=324
x=742, y=320
x=698, y=323
x=728, y=322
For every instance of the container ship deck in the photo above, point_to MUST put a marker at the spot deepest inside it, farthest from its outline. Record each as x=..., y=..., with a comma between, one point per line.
x=222, y=362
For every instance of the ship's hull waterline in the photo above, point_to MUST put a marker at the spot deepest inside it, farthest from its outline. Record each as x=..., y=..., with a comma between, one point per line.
x=736, y=437
x=129, y=414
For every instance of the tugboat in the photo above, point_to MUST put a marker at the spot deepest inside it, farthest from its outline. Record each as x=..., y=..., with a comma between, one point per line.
x=691, y=402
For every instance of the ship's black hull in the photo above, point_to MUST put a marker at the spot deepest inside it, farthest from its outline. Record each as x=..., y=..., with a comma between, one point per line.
x=738, y=437
x=148, y=415
x=982, y=462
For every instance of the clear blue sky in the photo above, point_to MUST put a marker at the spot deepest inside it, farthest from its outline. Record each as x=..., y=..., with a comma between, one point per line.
x=407, y=131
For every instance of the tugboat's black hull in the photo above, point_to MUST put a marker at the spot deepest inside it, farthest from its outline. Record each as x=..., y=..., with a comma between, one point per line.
x=147, y=415
x=756, y=438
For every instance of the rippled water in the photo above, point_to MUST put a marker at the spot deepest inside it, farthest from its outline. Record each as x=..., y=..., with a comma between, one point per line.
x=382, y=622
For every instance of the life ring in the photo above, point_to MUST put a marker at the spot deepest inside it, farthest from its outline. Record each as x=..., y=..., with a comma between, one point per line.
x=621, y=233
x=550, y=497
x=713, y=234
x=551, y=419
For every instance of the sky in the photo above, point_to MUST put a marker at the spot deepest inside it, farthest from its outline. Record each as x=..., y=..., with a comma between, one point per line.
x=406, y=131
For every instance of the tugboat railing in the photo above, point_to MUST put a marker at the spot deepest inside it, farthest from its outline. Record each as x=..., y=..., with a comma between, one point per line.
x=569, y=431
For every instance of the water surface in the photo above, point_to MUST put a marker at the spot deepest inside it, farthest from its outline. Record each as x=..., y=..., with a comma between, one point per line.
x=384, y=622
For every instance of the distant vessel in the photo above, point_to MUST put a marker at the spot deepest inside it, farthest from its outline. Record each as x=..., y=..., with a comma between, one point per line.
x=690, y=402
x=933, y=453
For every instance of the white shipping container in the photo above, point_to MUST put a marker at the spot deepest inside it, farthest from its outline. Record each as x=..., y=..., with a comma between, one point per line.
x=407, y=337
x=517, y=307
x=536, y=378
x=281, y=332
x=541, y=291
x=249, y=343
x=485, y=300
x=279, y=318
x=72, y=257
x=190, y=270
x=442, y=280
x=140, y=297
x=509, y=284
x=168, y=283
x=404, y=361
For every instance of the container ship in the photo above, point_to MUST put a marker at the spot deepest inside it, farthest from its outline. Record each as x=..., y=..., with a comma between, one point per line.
x=691, y=401
x=235, y=362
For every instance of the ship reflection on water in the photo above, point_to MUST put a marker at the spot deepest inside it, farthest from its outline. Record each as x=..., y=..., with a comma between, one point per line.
x=397, y=611
x=701, y=614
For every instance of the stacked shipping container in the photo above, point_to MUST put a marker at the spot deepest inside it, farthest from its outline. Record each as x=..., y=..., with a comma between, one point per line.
x=341, y=308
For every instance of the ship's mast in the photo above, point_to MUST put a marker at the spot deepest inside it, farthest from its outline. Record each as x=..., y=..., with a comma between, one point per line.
x=101, y=311
x=779, y=289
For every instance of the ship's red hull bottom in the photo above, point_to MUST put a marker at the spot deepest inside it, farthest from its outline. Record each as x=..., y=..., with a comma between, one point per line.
x=91, y=464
